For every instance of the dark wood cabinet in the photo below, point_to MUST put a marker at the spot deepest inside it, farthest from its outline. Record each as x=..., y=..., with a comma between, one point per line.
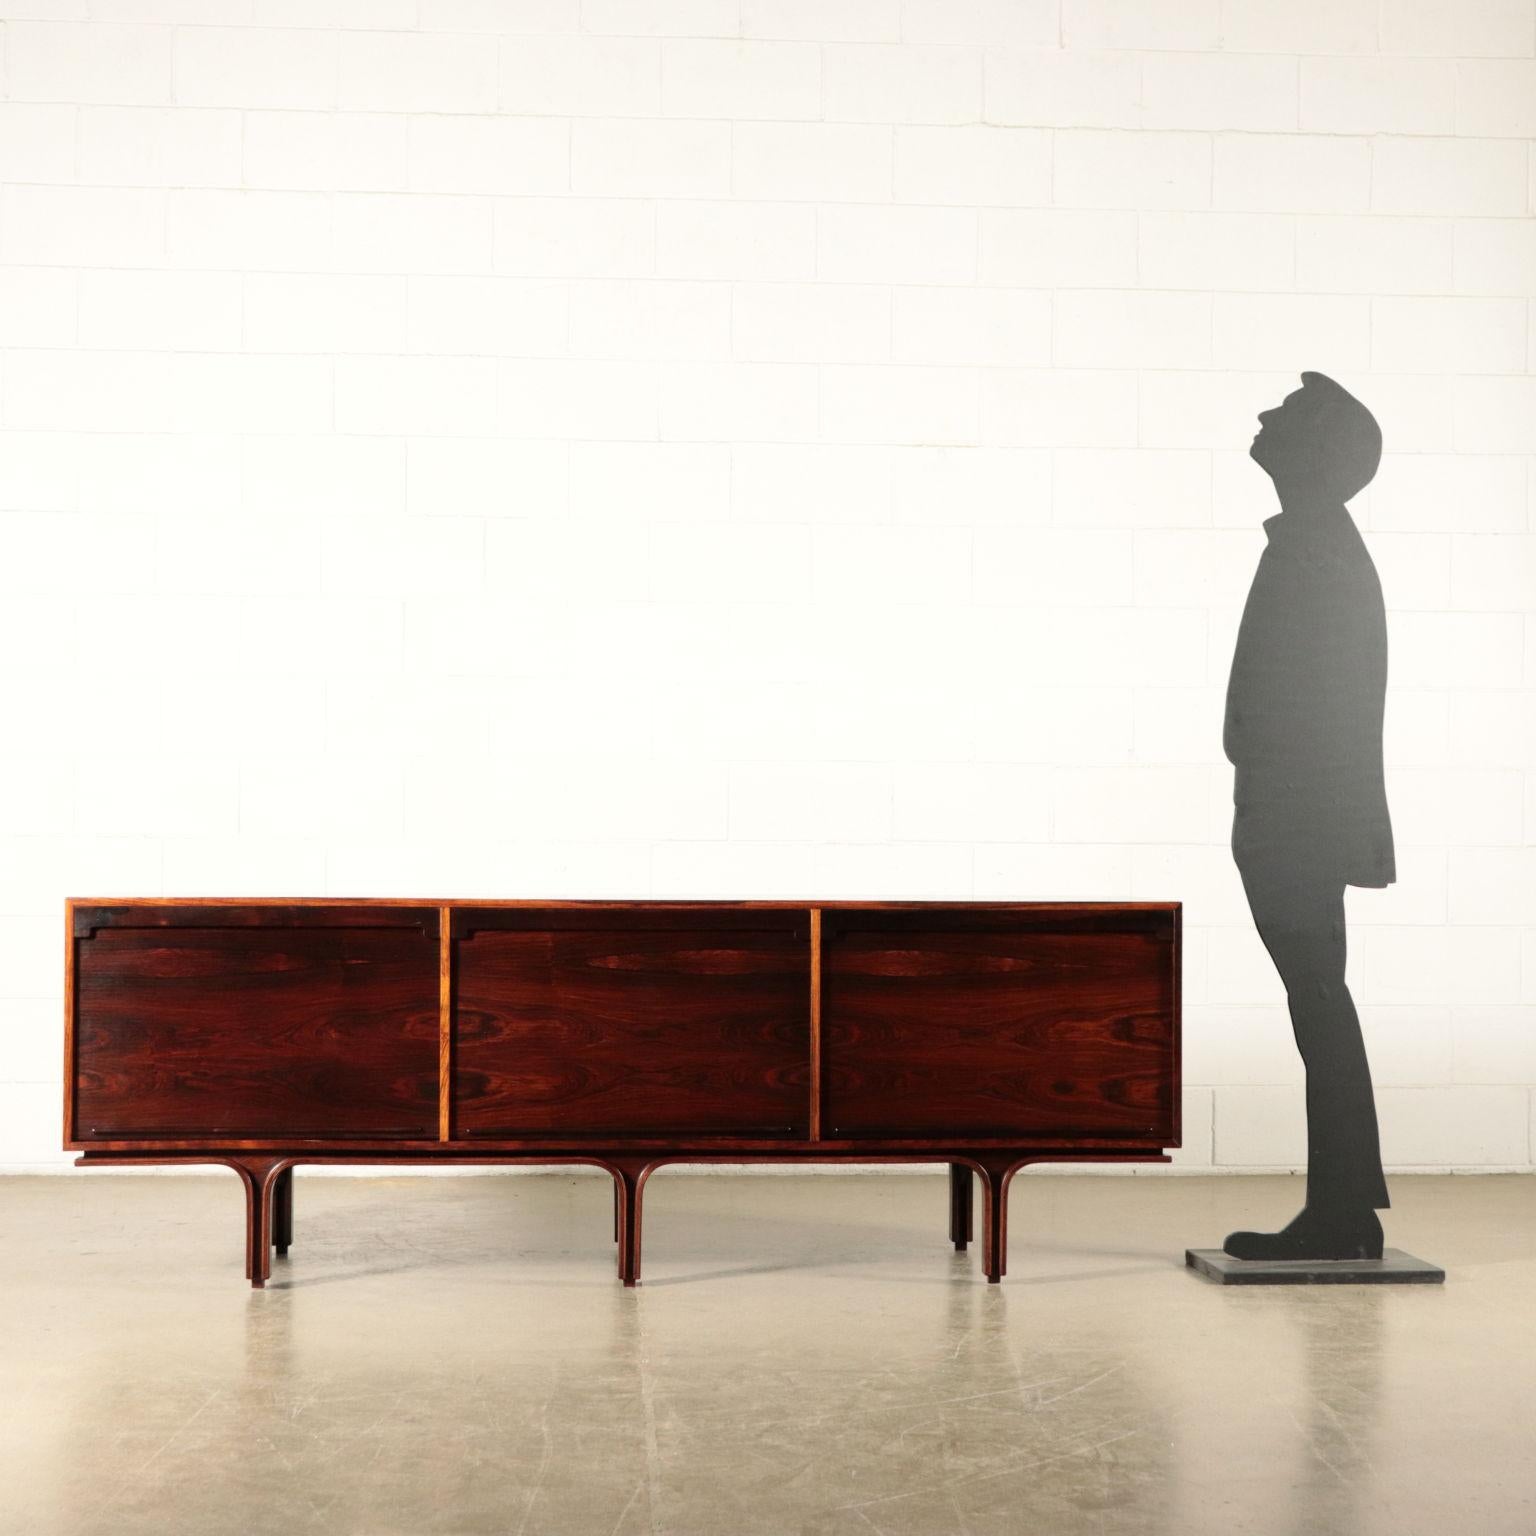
x=207, y=1023
x=265, y=1034
x=630, y=1023
x=998, y=1024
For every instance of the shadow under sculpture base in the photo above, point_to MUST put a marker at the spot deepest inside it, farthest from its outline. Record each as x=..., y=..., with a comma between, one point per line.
x=1394, y=1267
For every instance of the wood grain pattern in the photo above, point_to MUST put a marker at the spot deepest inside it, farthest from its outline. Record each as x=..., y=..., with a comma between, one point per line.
x=255, y=1029
x=631, y=1023
x=959, y=1023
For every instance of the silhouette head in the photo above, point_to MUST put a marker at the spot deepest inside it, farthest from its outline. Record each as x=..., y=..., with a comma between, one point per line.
x=1319, y=445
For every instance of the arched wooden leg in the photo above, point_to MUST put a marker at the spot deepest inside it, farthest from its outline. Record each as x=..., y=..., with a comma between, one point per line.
x=997, y=1175
x=282, y=1211
x=961, y=1228
x=615, y=1210
x=259, y=1176
x=629, y=1177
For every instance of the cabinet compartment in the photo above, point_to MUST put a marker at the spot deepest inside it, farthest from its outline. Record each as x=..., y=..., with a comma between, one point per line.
x=255, y=1023
x=630, y=1023
x=1018, y=1024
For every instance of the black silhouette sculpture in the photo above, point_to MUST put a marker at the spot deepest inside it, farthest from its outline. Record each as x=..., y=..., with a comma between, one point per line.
x=1303, y=731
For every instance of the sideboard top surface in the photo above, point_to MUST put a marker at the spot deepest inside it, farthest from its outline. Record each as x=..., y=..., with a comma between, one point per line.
x=619, y=904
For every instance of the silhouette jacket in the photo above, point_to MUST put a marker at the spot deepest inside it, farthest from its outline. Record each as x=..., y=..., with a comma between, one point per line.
x=1305, y=703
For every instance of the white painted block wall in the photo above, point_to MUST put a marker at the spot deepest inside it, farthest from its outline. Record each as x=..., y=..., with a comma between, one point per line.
x=779, y=448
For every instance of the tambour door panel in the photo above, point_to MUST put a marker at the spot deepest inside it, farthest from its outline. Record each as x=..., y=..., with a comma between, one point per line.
x=631, y=1022
x=258, y=1022
x=1034, y=1022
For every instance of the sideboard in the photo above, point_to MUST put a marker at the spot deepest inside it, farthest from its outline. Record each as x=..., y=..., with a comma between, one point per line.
x=262, y=1034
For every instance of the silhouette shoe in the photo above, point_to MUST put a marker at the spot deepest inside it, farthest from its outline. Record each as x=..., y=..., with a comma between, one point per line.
x=1313, y=1235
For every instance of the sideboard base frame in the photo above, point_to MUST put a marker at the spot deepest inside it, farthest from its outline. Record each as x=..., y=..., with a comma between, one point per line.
x=267, y=1178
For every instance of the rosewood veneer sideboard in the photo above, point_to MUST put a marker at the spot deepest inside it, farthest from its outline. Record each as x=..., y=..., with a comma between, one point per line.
x=262, y=1034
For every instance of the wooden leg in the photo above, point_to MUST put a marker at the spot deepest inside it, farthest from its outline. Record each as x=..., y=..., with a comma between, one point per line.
x=259, y=1176
x=997, y=1175
x=615, y=1210
x=961, y=1227
x=629, y=1182
x=282, y=1211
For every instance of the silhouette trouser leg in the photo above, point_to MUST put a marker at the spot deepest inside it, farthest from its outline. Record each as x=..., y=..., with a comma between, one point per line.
x=1299, y=914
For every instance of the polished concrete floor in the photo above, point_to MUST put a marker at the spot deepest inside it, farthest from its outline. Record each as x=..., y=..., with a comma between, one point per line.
x=806, y=1355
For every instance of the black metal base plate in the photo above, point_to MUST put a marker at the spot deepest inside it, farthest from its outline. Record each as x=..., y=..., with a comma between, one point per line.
x=1394, y=1267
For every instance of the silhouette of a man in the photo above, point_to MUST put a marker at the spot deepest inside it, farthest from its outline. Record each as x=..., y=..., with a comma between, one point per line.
x=1303, y=731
